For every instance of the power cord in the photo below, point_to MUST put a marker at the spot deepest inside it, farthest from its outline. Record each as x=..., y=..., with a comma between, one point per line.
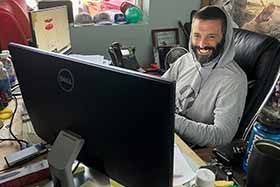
x=14, y=87
x=11, y=124
x=10, y=139
x=76, y=167
x=13, y=90
x=1, y=124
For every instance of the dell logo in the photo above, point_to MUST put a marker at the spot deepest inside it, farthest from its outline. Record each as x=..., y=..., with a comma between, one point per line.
x=65, y=80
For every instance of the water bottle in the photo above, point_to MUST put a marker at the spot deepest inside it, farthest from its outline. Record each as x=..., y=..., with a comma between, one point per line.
x=260, y=131
x=5, y=58
x=5, y=87
x=267, y=125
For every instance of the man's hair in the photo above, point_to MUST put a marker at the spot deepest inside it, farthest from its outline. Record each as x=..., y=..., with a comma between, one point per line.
x=212, y=13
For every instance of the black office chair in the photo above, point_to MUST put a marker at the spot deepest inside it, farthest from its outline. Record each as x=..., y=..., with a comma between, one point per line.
x=259, y=57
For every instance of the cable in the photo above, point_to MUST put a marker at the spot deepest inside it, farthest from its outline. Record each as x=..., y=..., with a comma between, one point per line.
x=5, y=169
x=14, y=89
x=14, y=86
x=10, y=139
x=185, y=32
x=17, y=94
x=76, y=167
x=11, y=123
x=1, y=124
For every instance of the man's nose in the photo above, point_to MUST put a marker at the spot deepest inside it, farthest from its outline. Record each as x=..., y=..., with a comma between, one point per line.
x=203, y=43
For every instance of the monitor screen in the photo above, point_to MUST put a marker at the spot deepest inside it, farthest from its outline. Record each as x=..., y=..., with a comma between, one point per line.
x=51, y=3
x=50, y=29
x=125, y=117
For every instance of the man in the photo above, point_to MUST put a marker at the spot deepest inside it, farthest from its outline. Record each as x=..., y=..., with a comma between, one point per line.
x=210, y=87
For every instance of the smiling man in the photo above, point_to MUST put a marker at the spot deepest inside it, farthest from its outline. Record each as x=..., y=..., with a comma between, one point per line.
x=210, y=87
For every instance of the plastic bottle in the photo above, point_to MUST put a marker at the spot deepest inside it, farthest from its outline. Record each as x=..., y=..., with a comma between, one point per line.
x=5, y=87
x=5, y=58
x=260, y=131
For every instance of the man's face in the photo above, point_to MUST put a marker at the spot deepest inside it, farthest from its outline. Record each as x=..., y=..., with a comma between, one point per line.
x=206, y=39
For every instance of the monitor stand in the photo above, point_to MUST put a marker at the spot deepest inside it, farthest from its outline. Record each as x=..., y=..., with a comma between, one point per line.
x=63, y=153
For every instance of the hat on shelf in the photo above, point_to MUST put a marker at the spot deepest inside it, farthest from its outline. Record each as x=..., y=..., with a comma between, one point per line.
x=102, y=18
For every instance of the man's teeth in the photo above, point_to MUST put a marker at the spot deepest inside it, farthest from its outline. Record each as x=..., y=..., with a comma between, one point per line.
x=204, y=51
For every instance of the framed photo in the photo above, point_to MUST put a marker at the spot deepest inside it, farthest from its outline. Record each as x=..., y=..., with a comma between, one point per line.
x=165, y=37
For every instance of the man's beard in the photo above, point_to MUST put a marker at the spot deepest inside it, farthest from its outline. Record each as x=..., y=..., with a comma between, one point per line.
x=204, y=59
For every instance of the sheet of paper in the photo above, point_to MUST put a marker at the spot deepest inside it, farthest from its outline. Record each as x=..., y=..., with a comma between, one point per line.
x=88, y=184
x=182, y=172
x=98, y=59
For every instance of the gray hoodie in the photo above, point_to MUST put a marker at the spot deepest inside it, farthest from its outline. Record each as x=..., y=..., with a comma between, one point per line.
x=209, y=101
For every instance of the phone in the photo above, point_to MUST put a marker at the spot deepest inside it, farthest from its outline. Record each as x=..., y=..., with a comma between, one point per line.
x=231, y=153
x=123, y=56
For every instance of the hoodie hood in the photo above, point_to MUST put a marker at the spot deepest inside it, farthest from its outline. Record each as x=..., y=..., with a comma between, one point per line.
x=186, y=95
x=228, y=52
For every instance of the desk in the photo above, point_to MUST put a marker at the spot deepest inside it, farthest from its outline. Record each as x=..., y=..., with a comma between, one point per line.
x=9, y=147
x=186, y=150
x=17, y=128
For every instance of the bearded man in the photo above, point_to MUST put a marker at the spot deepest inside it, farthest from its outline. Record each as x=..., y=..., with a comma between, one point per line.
x=211, y=88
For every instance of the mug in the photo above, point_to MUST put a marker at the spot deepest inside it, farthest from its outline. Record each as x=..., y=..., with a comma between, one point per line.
x=264, y=164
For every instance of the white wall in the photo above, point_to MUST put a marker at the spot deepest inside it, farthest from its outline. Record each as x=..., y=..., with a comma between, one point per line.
x=162, y=14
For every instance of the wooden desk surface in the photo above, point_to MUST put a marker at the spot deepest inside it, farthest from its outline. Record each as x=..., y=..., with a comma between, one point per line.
x=185, y=149
x=8, y=147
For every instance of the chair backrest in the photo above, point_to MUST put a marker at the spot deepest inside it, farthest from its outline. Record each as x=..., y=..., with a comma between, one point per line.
x=259, y=57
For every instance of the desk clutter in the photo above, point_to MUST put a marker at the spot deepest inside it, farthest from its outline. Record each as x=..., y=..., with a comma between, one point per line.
x=25, y=175
x=184, y=174
x=7, y=78
x=108, y=14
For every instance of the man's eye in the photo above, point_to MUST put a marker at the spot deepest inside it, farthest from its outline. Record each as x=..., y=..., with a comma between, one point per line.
x=211, y=37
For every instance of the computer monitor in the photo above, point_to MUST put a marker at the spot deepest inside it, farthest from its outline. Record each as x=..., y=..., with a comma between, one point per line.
x=125, y=117
x=51, y=3
x=50, y=29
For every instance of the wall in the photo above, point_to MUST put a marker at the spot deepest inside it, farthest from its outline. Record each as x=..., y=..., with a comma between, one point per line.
x=162, y=14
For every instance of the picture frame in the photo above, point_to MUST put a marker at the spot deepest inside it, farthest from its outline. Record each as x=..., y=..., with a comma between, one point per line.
x=165, y=37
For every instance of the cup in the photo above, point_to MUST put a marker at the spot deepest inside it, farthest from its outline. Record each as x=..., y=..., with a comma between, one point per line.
x=204, y=178
x=264, y=164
